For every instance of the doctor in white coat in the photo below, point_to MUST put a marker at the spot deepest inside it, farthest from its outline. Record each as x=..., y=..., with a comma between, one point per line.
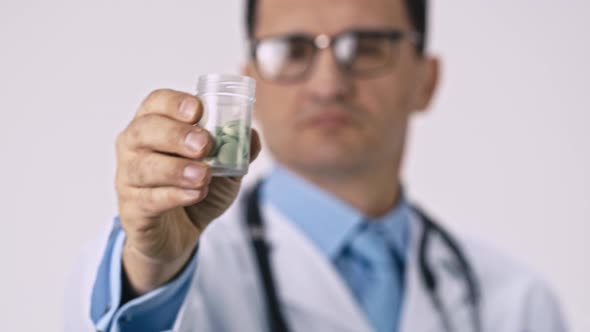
x=328, y=241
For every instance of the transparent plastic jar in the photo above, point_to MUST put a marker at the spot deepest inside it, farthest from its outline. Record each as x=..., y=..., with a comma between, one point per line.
x=228, y=101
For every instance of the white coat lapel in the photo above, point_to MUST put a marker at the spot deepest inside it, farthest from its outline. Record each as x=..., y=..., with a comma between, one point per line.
x=419, y=314
x=310, y=288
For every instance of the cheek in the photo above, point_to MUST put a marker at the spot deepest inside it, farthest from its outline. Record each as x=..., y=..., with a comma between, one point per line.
x=392, y=94
x=387, y=101
x=274, y=107
x=385, y=98
x=266, y=102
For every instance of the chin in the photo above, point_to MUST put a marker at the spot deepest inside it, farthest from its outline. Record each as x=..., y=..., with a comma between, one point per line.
x=324, y=150
x=327, y=160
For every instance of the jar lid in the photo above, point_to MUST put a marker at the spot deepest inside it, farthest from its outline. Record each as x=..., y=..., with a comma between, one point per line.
x=228, y=85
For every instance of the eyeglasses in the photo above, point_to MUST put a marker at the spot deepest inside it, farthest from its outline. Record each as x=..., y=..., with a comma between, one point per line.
x=361, y=53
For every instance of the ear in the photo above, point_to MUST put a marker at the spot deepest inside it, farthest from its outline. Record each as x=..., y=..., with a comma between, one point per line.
x=429, y=78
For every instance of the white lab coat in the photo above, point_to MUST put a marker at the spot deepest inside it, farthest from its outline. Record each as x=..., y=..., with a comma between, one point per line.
x=226, y=292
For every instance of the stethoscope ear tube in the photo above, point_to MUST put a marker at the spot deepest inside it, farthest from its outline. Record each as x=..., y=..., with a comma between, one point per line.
x=429, y=279
x=427, y=276
x=276, y=319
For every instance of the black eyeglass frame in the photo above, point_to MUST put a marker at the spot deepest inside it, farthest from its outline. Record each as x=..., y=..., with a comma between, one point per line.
x=323, y=41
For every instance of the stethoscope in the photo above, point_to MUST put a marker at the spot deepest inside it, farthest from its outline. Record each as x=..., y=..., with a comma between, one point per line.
x=276, y=320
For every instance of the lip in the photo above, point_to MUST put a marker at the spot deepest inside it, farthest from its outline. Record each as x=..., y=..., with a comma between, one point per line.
x=329, y=119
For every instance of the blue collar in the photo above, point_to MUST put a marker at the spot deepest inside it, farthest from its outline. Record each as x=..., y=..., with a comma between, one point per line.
x=326, y=220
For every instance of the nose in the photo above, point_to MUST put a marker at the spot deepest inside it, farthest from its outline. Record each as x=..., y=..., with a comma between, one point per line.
x=327, y=81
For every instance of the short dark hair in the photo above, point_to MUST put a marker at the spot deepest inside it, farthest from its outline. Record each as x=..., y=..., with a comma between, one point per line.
x=417, y=11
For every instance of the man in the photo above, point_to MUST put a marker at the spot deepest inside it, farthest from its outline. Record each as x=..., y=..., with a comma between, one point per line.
x=329, y=241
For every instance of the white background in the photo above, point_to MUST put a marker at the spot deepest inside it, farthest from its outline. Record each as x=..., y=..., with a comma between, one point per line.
x=504, y=152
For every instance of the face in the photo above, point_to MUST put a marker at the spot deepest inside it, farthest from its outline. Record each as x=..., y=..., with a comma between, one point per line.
x=333, y=122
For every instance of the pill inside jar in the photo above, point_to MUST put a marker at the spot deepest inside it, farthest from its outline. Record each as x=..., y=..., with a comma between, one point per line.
x=227, y=109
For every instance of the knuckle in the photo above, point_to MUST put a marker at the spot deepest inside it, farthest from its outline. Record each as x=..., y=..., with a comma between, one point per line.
x=124, y=198
x=125, y=138
x=125, y=209
x=136, y=132
x=118, y=181
x=169, y=197
x=139, y=168
x=181, y=130
x=159, y=130
x=133, y=171
x=147, y=201
x=132, y=134
x=155, y=95
x=177, y=135
x=119, y=141
x=155, y=169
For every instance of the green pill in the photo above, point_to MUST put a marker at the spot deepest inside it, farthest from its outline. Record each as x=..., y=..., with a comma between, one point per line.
x=231, y=144
x=228, y=154
x=232, y=123
x=228, y=139
x=231, y=130
x=217, y=143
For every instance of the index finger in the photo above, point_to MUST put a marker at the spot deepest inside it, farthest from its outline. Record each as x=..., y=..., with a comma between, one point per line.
x=177, y=105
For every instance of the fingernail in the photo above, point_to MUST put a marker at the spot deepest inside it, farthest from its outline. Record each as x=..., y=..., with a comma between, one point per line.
x=193, y=172
x=196, y=141
x=188, y=108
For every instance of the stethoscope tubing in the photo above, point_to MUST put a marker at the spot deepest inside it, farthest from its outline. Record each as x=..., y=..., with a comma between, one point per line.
x=276, y=320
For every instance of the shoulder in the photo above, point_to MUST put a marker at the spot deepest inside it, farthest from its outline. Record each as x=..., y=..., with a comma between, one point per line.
x=495, y=268
x=510, y=285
